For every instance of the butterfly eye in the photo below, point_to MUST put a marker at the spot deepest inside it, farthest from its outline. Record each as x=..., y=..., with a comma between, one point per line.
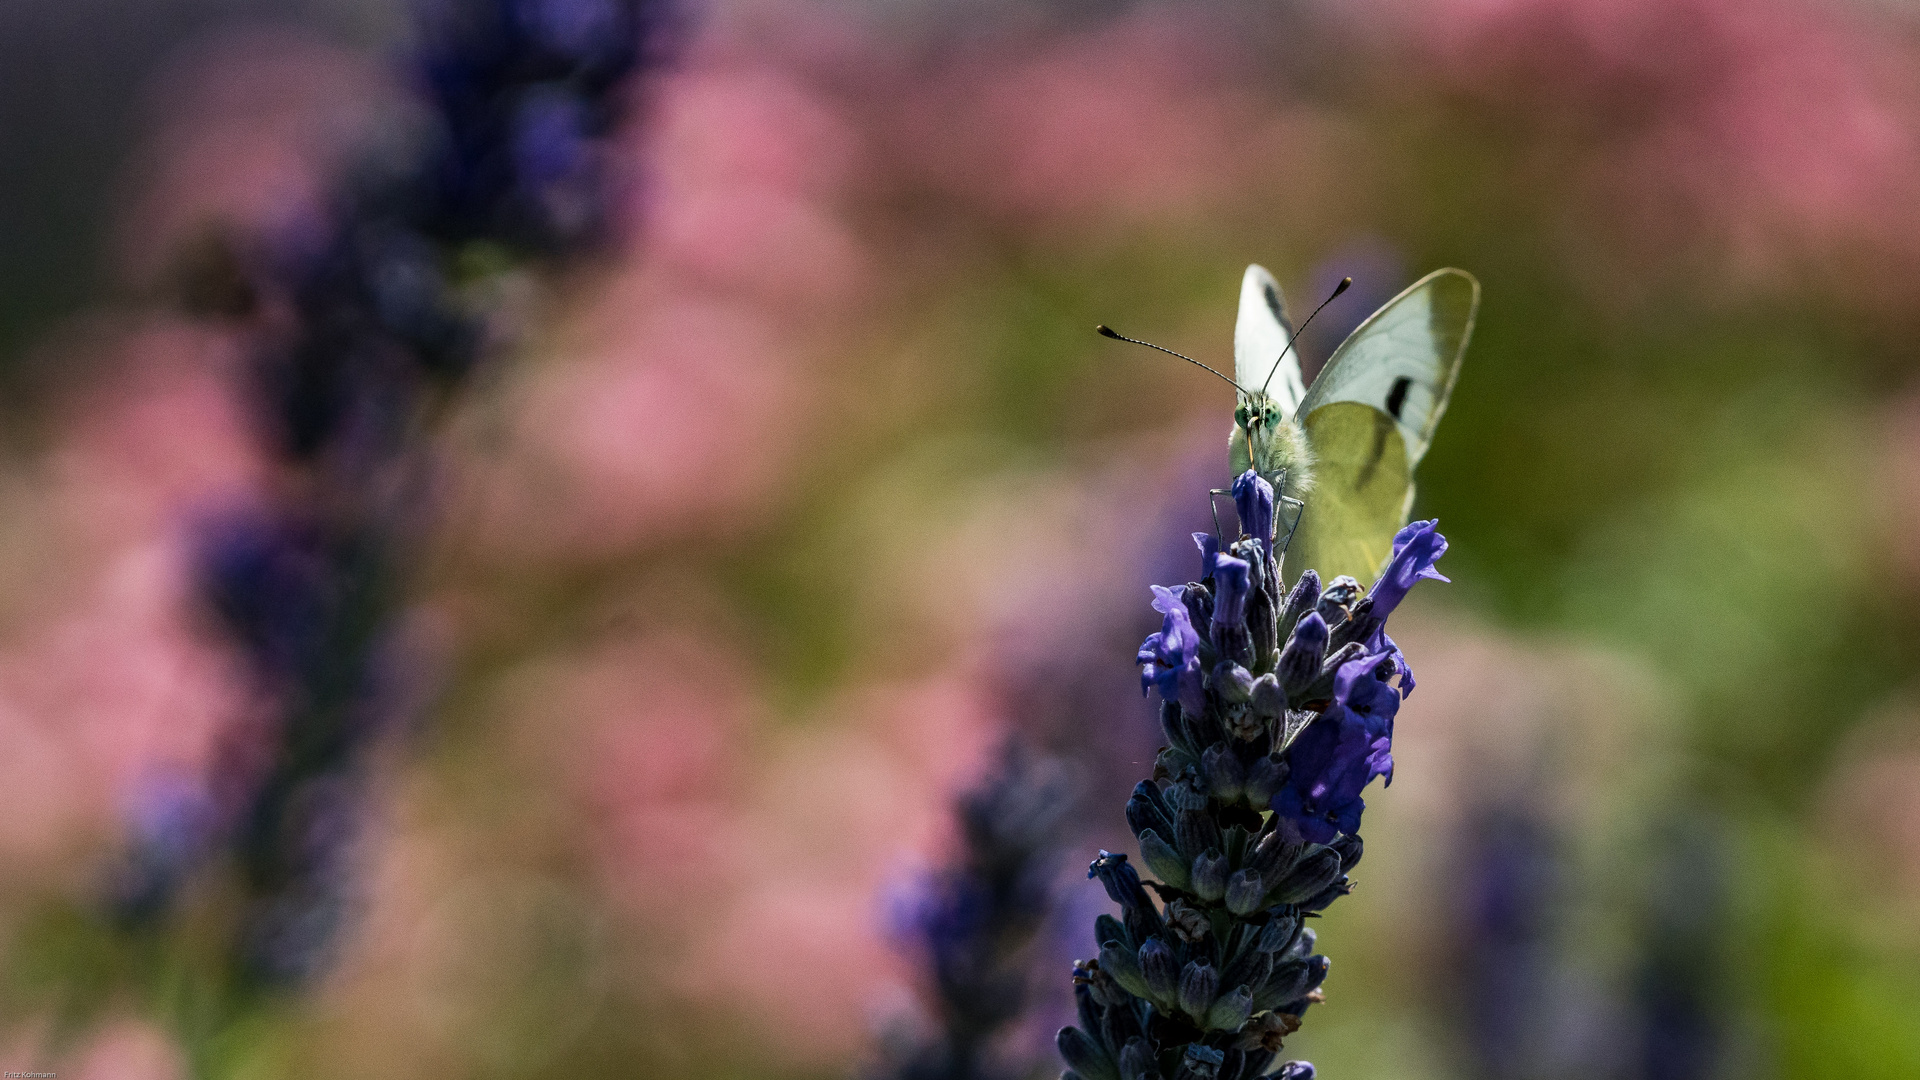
x=1240, y=416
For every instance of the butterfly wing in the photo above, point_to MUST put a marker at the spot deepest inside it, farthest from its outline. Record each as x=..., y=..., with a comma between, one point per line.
x=1260, y=336
x=1362, y=490
x=1370, y=417
x=1404, y=359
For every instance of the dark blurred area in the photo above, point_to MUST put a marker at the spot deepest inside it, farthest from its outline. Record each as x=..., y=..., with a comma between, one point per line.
x=75, y=82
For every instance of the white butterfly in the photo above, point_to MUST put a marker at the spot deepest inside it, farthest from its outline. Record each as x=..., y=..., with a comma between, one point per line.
x=1347, y=446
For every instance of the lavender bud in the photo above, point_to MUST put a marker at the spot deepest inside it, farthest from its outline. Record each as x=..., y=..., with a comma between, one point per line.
x=1230, y=1010
x=1295, y=1070
x=1253, y=501
x=1262, y=627
x=1137, y=1060
x=1107, y=928
x=1160, y=970
x=1231, y=681
x=1199, y=602
x=1276, y=852
x=1119, y=962
x=1187, y=794
x=1267, y=699
x=1245, y=890
x=1121, y=881
x=1288, y=982
x=1165, y=862
x=1226, y=777
x=1349, y=847
x=1197, y=831
x=1086, y=1056
x=1300, y=660
x=1250, y=968
x=1232, y=581
x=1279, y=932
x=1304, y=598
x=1101, y=984
x=1199, y=985
x=1264, y=777
x=1210, y=875
x=1320, y=691
x=1308, y=876
x=1202, y=1062
x=1319, y=901
x=1303, y=944
x=1317, y=967
x=1143, y=816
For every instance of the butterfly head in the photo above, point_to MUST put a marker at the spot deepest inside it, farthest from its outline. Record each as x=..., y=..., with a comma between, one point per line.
x=1257, y=414
x=1266, y=439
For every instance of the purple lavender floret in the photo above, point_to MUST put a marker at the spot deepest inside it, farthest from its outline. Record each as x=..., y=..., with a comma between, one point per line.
x=1253, y=500
x=1339, y=754
x=1169, y=660
x=1293, y=715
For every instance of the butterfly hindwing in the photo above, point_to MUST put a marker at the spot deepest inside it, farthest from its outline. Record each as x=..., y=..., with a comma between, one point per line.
x=1362, y=490
x=1260, y=336
x=1369, y=418
x=1405, y=358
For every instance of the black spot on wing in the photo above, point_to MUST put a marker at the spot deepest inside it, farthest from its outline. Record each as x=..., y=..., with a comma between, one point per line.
x=1273, y=303
x=1397, y=397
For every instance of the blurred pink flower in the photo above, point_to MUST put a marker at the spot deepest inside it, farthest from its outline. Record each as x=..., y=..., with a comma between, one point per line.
x=1127, y=123
x=128, y=1051
x=658, y=751
x=118, y=1050
x=749, y=168
x=1782, y=133
x=832, y=817
x=106, y=679
x=1870, y=813
x=689, y=409
x=681, y=392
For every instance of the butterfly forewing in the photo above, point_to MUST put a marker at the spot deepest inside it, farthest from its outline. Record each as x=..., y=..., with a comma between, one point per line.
x=1260, y=336
x=1404, y=359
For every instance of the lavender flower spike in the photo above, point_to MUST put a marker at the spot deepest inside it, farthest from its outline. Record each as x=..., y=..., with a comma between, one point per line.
x=1296, y=717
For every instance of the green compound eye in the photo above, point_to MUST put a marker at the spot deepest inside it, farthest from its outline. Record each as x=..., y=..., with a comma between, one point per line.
x=1240, y=416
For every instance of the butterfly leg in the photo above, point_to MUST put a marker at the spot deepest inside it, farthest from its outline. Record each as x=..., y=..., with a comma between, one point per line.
x=1284, y=500
x=1299, y=511
x=1214, y=506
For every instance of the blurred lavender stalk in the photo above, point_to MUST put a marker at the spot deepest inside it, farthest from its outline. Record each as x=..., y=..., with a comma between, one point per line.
x=1531, y=1011
x=1282, y=703
x=1508, y=960
x=975, y=922
x=361, y=323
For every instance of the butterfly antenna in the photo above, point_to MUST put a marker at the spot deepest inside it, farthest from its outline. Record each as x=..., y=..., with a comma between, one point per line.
x=1104, y=331
x=1345, y=283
